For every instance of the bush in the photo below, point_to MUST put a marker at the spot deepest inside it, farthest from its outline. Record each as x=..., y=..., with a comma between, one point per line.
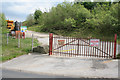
x=101, y=19
x=118, y=56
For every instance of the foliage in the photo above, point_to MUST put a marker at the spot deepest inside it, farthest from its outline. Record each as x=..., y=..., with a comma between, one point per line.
x=81, y=19
x=37, y=16
x=30, y=20
x=90, y=5
x=36, y=28
x=103, y=22
x=69, y=24
x=2, y=20
x=118, y=56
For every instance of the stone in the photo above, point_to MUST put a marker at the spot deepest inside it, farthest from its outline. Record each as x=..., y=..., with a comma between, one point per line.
x=41, y=49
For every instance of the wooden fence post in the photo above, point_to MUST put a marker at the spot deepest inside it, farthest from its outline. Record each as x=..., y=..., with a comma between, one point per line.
x=50, y=43
x=7, y=38
x=18, y=40
x=32, y=41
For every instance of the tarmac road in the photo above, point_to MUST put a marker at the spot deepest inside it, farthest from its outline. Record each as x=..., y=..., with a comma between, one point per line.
x=20, y=74
x=75, y=67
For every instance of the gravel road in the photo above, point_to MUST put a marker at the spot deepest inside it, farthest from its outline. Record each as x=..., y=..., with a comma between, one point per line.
x=42, y=37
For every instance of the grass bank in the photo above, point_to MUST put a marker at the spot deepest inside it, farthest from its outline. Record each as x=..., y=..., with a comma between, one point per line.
x=35, y=28
x=11, y=50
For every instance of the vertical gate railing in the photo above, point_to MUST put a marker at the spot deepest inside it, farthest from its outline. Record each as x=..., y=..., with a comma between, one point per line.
x=69, y=46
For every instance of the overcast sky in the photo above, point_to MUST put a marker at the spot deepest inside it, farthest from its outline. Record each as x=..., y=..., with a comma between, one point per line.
x=20, y=9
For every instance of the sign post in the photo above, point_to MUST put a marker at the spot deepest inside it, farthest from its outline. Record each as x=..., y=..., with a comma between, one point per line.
x=23, y=29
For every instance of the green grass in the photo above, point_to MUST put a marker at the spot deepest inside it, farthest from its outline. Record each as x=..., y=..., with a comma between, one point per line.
x=11, y=50
x=35, y=28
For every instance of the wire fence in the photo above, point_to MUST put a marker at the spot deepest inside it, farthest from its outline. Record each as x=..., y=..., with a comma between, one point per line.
x=12, y=41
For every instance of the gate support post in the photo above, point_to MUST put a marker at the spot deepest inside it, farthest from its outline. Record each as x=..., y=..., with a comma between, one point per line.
x=115, y=41
x=50, y=43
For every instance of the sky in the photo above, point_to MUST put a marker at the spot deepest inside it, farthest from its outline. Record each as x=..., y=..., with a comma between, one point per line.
x=18, y=10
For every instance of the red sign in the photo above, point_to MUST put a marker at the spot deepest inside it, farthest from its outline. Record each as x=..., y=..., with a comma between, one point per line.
x=61, y=42
x=94, y=42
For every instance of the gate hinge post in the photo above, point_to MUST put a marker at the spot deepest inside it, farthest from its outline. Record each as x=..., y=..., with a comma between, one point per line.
x=115, y=41
x=50, y=43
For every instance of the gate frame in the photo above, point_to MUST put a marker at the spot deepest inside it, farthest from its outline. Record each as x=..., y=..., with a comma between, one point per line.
x=51, y=44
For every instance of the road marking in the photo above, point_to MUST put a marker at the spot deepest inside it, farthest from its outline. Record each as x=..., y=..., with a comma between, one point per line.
x=107, y=61
x=65, y=50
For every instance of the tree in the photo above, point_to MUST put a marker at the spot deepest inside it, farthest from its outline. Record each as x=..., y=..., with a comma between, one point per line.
x=30, y=20
x=69, y=24
x=37, y=16
x=2, y=20
x=86, y=18
x=104, y=20
x=90, y=5
x=81, y=15
x=115, y=9
x=55, y=17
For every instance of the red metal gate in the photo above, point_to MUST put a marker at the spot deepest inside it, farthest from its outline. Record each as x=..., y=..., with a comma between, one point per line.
x=69, y=46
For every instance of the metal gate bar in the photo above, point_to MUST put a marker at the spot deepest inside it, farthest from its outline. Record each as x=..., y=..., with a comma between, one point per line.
x=73, y=47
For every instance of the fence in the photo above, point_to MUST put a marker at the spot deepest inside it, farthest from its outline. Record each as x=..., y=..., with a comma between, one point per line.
x=12, y=41
x=69, y=46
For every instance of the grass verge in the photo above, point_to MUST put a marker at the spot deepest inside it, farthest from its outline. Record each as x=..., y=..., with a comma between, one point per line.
x=118, y=56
